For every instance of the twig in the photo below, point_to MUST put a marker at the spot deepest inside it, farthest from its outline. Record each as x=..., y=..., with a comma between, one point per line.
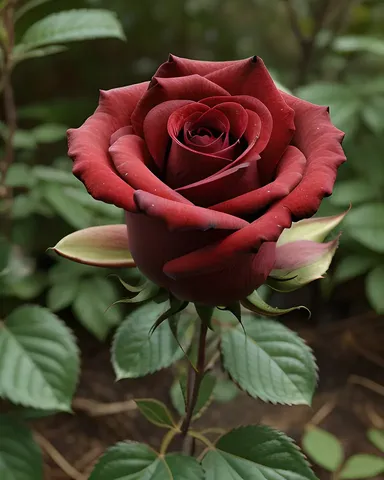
x=367, y=383
x=9, y=101
x=97, y=409
x=58, y=458
x=323, y=412
x=293, y=18
x=372, y=357
x=196, y=381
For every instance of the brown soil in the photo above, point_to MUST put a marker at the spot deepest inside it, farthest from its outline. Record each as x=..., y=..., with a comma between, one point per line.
x=350, y=353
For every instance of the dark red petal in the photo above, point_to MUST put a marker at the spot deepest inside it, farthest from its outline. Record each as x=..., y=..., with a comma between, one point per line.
x=289, y=173
x=235, y=282
x=88, y=146
x=155, y=129
x=187, y=166
x=214, y=257
x=210, y=145
x=250, y=77
x=179, y=216
x=120, y=133
x=211, y=119
x=132, y=161
x=237, y=116
x=184, y=115
x=320, y=141
x=121, y=102
x=180, y=67
x=192, y=87
x=220, y=187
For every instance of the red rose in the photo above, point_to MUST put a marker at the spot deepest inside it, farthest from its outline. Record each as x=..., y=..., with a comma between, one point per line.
x=211, y=162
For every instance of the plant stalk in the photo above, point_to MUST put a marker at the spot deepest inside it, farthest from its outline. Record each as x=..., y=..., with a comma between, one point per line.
x=194, y=381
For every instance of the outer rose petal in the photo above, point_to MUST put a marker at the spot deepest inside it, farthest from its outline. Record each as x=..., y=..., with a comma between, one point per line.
x=235, y=281
x=88, y=146
x=181, y=216
x=320, y=141
x=180, y=67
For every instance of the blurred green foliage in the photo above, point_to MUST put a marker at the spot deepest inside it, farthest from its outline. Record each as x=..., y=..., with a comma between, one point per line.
x=327, y=52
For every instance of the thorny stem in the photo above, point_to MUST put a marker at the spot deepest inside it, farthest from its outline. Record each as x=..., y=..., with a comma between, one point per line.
x=195, y=381
x=7, y=15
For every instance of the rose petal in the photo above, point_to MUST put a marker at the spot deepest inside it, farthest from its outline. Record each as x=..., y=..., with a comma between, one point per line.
x=220, y=187
x=239, y=279
x=120, y=133
x=289, y=173
x=186, y=166
x=180, y=67
x=88, y=146
x=192, y=87
x=235, y=281
x=250, y=77
x=180, y=216
x=320, y=141
x=131, y=159
x=121, y=102
x=155, y=129
x=247, y=240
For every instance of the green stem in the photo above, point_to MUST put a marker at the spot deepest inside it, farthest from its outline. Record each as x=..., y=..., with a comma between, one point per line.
x=195, y=378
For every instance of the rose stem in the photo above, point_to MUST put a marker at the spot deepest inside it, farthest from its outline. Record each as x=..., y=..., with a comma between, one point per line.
x=194, y=385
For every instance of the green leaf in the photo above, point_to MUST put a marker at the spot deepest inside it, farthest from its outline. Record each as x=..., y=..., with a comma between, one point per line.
x=155, y=412
x=374, y=288
x=50, y=132
x=362, y=465
x=135, y=353
x=366, y=225
x=323, y=448
x=62, y=295
x=72, y=26
x=225, y=391
x=359, y=43
x=27, y=287
x=93, y=306
x=377, y=438
x=20, y=457
x=20, y=175
x=39, y=360
x=256, y=304
x=353, y=266
x=204, y=399
x=270, y=362
x=138, y=461
x=353, y=191
x=256, y=452
x=74, y=214
x=104, y=246
x=55, y=175
x=373, y=114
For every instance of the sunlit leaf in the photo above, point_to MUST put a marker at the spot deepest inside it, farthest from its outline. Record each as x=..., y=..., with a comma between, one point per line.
x=377, y=438
x=362, y=465
x=323, y=448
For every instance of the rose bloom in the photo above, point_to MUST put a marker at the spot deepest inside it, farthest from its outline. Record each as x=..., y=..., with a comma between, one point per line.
x=211, y=162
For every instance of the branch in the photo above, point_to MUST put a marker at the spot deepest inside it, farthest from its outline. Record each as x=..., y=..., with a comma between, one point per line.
x=9, y=101
x=193, y=390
